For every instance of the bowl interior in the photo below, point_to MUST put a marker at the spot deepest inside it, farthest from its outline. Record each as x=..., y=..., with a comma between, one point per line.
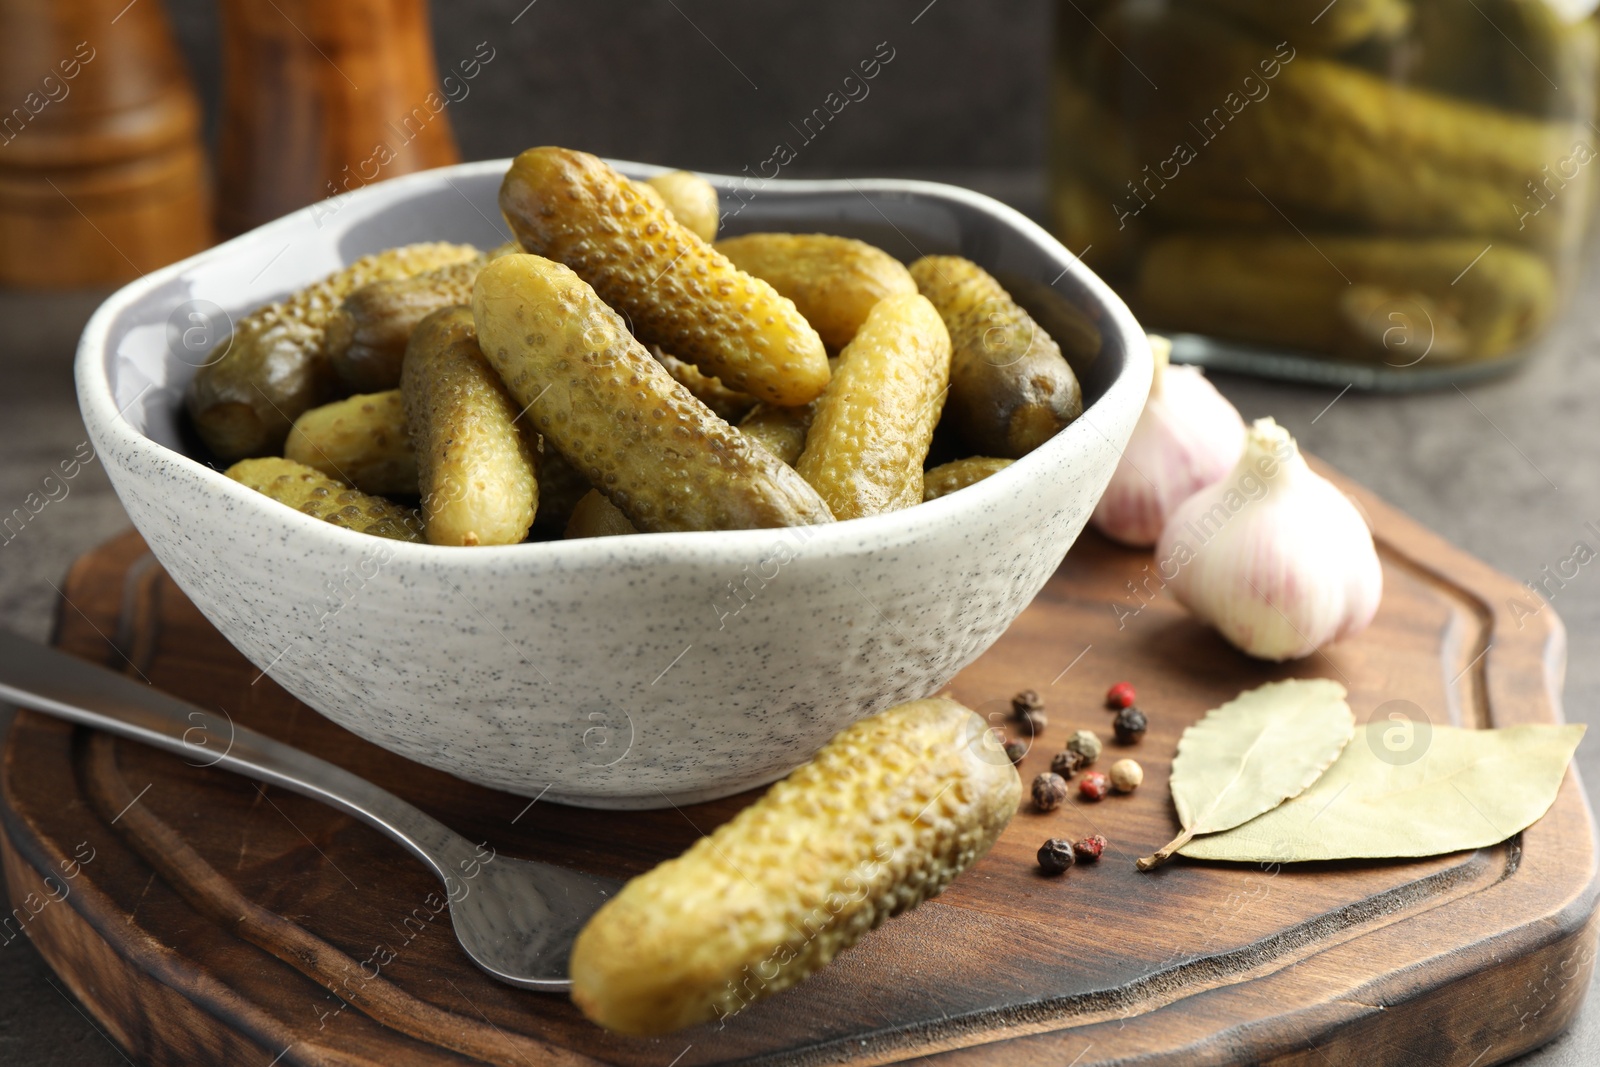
x=162, y=327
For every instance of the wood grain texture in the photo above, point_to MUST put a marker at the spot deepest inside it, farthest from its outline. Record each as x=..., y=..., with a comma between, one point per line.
x=323, y=98
x=220, y=922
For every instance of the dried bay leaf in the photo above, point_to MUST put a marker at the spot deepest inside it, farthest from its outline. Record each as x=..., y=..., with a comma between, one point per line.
x=1251, y=754
x=1470, y=789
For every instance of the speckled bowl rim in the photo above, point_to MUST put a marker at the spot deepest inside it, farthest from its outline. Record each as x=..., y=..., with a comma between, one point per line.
x=1129, y=387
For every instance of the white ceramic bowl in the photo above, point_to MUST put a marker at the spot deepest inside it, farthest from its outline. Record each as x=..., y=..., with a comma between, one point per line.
x=617, y=672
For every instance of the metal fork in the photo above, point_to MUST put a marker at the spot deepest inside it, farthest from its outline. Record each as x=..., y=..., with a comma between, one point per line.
x=515, y=918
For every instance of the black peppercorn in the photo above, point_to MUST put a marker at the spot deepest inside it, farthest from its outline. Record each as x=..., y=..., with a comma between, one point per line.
x=1130, y=725
x=1055, y=856
x=1024, y=702
x=1066, y=763
x=1015, y=750
x=1049, y=790
x=1032, y=722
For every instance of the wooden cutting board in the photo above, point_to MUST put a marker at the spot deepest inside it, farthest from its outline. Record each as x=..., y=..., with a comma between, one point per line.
x=202, y=919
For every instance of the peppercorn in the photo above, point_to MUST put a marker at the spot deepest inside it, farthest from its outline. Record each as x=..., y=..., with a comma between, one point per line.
x=1120, y=696
x=1049, y=790
x=1015, y=750
x=1056, y=855
x=1024, y=702
x=1066, y=763
x=1088, y=850
x=1032, y=722
x=1086, y=745
x=1094, y=786
x=1130, y=725
x=1126, y=775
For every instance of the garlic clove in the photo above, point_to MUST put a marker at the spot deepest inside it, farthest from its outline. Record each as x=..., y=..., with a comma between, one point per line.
x=1273, y=555
x=1188, y=437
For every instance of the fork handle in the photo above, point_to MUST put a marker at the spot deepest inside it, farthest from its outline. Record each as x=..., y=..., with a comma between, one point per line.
x=47, y=680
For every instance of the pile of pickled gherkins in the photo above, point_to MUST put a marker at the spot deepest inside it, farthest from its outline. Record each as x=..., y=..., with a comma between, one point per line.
x=616, y=369
x=1380, y=180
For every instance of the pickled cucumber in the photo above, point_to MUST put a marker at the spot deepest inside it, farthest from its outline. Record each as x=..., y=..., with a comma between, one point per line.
x=275, y=367
x=730, y=405
x=676, y=290
x=834, y=281
x=1520, y=54
x=561, y=486
x=874, y=422
x=638, y=436
x=476, y=468
x=1011, y=390
x=595, y=516
x=956, y=475
x=692, y=201
x=314, y=493
x=1404, y=300
x=883, y=817
x=781, y=431
x=367, y=336
x=1323, y=143
x=361, y=440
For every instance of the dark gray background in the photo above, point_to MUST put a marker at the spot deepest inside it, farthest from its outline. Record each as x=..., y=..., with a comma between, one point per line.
x=963, y=100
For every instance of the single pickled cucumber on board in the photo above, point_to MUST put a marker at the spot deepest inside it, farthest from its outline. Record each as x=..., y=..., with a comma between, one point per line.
x=1011, y=390
x=361, y=440
x=367, y=336
x=730, y=405
x=595, y=516
x=834, y=281
x=314, y=493
x=1326, y=144
x=956, y=475
x=1319, y=24
x=599, y=398
x=781, y=431
x=275, y=367
x=476, y=468
x=1396, y=299
x=691, y=199
x=883, y=817
x=872, y=426
x=676, y=290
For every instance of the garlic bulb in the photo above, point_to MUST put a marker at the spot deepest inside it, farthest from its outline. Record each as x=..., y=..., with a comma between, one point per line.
x=1273, y=555
x=1188, y=437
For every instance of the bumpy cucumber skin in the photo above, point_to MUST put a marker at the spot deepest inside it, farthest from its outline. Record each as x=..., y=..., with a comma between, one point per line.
x=1011, y=390
x=691, y=199
x=676, y=290
x=361, y=440
x=874, y=423
x=476, y=468
x=276, y=364
x=617, y=416
x=367, y=336
x=595, y=516
x=781, y=431
x=881, y=819
x=730, y=405
x=314, y=493
x=956, y=475
x=834, y=281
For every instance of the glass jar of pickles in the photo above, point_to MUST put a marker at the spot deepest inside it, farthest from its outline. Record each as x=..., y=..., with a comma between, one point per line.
x=1395, y=189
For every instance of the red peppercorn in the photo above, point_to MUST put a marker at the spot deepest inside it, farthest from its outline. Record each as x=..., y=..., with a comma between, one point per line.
x=1094, y=786
x=1120, y=696
x=1088, y=850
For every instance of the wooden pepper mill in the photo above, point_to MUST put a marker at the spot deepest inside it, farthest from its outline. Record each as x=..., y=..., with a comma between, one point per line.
x=322, y=98
x=102, y=176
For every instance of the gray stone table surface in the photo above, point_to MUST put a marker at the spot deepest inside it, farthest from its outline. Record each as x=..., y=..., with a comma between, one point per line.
x=1509, y=470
